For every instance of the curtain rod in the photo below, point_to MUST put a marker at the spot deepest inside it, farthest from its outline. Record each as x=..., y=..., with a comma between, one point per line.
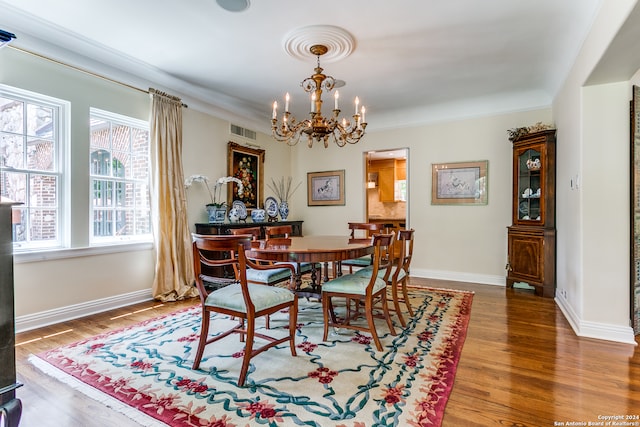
x=82, y=70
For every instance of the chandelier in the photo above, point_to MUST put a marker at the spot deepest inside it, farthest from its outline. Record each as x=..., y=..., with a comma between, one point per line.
x=317, y=127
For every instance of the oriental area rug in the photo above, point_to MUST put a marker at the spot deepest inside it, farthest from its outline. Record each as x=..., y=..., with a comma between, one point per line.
x=145, y=370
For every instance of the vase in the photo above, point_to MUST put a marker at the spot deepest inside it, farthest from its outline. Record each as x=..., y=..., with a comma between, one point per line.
x=217, y=214
x=234, y=216
x=258, y=215
x=284, y=210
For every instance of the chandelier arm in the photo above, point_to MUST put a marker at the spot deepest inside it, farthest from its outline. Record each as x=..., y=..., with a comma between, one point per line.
x=289, y=134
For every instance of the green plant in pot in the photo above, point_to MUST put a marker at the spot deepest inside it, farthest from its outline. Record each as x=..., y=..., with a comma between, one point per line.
x=216, y=210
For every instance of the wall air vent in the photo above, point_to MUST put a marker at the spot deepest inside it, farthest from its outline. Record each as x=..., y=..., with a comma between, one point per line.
x=243, y=132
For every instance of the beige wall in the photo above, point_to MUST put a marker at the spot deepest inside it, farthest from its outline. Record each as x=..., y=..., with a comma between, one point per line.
x=455, y=242
x=204, y=151
x=593, y=218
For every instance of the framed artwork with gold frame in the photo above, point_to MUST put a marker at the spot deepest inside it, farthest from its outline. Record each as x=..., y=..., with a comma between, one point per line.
x=246, y=164
x=461, y=183
x=325, y=188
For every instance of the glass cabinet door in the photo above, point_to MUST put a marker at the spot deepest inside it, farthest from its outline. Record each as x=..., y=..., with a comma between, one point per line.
x=530, y=185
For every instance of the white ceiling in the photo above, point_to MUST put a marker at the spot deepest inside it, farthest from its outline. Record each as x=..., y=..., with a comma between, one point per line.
x=414, y=61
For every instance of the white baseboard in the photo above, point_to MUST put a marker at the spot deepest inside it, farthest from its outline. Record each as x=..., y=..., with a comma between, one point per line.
x=601, y=331
x=456, y=276
x=63, y=314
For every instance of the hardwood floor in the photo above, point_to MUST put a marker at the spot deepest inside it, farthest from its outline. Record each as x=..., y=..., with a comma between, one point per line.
x=521, y=366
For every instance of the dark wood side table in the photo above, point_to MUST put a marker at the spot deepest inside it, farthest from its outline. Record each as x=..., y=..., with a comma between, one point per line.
x=225, y=227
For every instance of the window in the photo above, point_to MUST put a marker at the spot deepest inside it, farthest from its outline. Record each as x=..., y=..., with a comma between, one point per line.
x=400, y=190
x=119, y=168
x=32, y=127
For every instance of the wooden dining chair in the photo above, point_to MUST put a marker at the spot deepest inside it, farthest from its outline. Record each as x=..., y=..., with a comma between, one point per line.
x=285, y=232
x=273, y=231
x=361, y=231
x=399, y=273
x=400, y=277
x=254, y=232
x=240, y=300
x=370, y=291
x=268, y=277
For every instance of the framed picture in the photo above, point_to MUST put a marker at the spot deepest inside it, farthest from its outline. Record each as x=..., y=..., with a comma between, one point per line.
x=462, y=183
x=246, y=164
x=325, y=188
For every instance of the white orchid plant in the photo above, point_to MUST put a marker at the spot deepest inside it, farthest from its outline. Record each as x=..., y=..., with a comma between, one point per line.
x=215, y=194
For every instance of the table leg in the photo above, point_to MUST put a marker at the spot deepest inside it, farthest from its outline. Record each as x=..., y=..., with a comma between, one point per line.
x=314, y=274
x=298, y=276
x=326, y=272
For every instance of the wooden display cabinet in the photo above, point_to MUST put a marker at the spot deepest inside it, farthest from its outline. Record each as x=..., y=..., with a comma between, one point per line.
x=532, y=235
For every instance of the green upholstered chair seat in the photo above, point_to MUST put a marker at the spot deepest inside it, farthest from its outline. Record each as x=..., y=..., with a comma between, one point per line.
x=352, y=284
x=363, y=261
x=263, y=297
x=367, y=272
x=305, y=267
x=273, y=275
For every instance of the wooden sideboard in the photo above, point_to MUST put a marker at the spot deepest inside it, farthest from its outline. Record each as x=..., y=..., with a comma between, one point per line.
x=226, y=227
x=10, y=407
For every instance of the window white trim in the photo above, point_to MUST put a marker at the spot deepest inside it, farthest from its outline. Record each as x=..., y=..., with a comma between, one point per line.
x=118, y=240
x=63, y=164
x=48, y=255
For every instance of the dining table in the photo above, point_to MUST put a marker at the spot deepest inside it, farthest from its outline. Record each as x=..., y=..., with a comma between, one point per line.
x=315, y=249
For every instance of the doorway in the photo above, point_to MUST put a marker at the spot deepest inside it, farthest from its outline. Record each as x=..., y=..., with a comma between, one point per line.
x=387, y=187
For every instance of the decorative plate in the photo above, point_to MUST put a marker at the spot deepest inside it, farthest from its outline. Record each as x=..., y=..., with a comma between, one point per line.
x=240, y=208
x=271, y=206
x=524, y=208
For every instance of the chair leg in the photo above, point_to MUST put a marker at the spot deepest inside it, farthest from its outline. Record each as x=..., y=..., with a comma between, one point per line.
x=405, y=295
x=396, y=303
x=385, y=310
x=248, y=349
x=326, y=301
x=293, y=323
x=332, y=311
x=202, y=342
x=368, y=308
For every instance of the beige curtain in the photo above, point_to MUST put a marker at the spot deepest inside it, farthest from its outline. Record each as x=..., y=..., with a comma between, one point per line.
x=174, y=260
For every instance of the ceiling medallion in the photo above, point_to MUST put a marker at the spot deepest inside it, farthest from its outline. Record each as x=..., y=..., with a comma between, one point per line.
x=317, y=127
x=339, y=42
x=233, y=5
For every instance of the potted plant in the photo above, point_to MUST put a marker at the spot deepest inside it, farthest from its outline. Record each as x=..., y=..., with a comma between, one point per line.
x=283, y=191
x=217, y=210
